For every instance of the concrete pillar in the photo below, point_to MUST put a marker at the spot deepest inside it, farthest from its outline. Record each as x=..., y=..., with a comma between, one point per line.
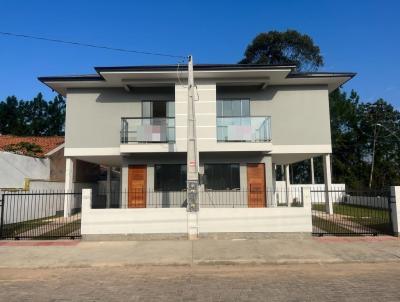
x=269, y=181
x=328, y=183
x=395, y=207
x=312, y=171
x=86, y=207
x=108, y=188
x=193, y=225
x=69, y=185
x=287, y=185
x=306, y=198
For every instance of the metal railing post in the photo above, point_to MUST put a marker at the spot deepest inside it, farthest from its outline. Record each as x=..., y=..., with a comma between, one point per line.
x=2, y=215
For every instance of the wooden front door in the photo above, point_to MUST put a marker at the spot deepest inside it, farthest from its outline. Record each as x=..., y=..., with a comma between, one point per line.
x=256, y=185
x=137, y=184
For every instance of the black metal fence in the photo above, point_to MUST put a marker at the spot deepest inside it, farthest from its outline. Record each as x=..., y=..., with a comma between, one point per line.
x=207, y=199
x=351, y=213
x=40, y=215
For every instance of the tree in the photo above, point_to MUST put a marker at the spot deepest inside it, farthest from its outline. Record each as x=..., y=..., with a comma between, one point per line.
x=347, y=140
x=380, y=125
x=36, y=117
x=56, y=116
x=10, y=118
x=289, y=47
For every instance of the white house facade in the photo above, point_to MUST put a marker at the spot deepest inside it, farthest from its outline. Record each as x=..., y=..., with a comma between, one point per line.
x=249, y=120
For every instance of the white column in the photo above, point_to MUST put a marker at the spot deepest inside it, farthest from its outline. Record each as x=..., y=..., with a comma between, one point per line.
x=273, y=189
x=108, y=188
x=328, y=183
x=312, y=171
x=124, y=184
x=287, y=185
x=69, y=185
x=395, y=205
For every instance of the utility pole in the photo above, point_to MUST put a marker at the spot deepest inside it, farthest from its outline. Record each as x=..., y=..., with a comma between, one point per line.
x=192, y=157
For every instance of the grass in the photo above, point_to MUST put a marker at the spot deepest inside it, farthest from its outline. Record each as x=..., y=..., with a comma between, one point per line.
x=368, y=219
x=328, y=226
x=62, y=231
x=59, y=229
x=354, y=210
x=12, y=230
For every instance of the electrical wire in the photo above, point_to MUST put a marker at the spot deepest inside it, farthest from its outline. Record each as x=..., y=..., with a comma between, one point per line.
x=177, y=74
x=91, y=45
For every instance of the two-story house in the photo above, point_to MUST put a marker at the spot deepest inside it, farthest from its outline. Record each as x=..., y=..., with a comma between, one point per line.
x=249, y=119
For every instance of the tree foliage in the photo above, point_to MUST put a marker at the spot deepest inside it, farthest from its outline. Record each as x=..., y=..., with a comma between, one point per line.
x=24, y=148
x=288, y=47
x=36, y=117
x=365, y=143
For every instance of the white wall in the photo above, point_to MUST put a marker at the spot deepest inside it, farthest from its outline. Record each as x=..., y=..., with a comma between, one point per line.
x=133, y=221
x=210, y=220
x=255, y=220
x=15, y=168
x=42, y=185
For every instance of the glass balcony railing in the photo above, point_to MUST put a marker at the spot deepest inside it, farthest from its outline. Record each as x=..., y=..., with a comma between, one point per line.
x=147, y=130
x=244, y=129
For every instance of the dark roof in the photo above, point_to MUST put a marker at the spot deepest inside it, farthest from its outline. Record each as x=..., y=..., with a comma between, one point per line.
x=198, y=67
x=320, y=74
x=91, y=77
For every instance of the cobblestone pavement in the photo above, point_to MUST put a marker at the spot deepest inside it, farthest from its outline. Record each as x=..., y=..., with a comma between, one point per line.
x=308, y=282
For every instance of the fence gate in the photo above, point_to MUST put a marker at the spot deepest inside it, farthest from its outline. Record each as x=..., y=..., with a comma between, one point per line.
x=354, y=213
x=27, y=215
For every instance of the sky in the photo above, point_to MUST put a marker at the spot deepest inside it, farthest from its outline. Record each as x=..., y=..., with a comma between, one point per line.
x=355, y=36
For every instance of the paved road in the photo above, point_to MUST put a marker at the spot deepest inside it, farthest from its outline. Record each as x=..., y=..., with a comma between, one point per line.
x=303, y=282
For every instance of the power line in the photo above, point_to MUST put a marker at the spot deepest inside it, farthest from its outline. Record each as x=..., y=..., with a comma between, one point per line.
x=91, y=45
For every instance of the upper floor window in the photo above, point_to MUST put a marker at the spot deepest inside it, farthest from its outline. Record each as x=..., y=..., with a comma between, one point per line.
x=158, y=109
x=233, y=108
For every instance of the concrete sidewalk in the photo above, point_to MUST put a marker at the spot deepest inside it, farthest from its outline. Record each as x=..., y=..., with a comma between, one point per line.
x=51, y=254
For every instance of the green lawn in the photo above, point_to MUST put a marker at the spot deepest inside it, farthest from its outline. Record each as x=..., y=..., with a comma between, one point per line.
x=366, y=218
x=328, y=226
x=14, y=229
x=62, y=231
x=354, y=210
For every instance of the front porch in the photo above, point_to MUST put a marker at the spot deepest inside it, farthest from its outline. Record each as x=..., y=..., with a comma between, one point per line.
x=227, y=180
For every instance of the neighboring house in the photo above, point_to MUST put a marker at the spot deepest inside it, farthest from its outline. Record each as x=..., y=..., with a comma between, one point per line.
x=249, y=119
x=19, y=166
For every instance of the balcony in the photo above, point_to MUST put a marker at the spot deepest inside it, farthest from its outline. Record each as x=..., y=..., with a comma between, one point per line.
x=244, y=129
x=143, y=130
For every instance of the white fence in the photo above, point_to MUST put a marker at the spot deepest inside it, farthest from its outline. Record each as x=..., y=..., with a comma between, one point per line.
x=44, y=199
x=317, y=192
x=20, y=207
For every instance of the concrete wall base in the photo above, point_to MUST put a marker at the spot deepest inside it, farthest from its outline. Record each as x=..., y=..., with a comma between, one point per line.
x=224, y=236
x=213, y=236
x=134, y=237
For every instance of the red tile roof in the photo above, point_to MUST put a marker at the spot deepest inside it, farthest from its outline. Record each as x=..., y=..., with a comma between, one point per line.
x=47, y=143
